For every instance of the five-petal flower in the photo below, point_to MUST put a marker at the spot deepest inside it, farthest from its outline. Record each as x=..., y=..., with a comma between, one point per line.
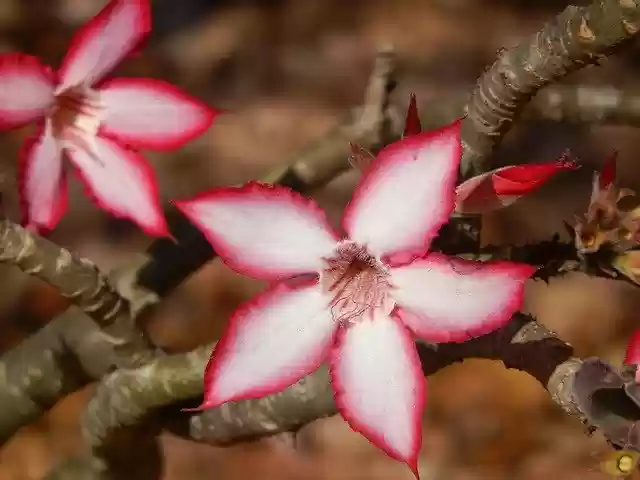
x=350, y=300
x=96, y=122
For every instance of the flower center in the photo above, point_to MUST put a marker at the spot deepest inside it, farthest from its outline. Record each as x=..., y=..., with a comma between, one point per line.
x=76, y=116
x=357, y=282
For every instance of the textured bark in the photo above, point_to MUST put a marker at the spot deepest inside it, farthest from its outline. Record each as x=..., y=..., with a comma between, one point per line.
x=577, y=37
x=71, y=350
x=575, y=104
x=127, y=406
x=80, y=281
x=61, y=358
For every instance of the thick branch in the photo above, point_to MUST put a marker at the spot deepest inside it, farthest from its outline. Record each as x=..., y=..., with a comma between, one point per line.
x=61, y=358
x=578, y=36
x=69, y=352
x=80, y=281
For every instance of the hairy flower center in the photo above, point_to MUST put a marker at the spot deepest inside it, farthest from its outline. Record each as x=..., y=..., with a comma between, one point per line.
x=76, y=116
x=357, y=282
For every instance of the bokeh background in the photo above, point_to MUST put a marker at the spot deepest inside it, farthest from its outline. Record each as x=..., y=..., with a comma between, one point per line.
x=285, y=71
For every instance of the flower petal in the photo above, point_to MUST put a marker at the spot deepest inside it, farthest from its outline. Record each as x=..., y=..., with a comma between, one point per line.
x=121, y=182
x=264, y=231
x=412, y=124
x=502, y=187
x=379, y=385
x=104, y=41
x=41, y=182
x=26, y=90
x=446, y=299
x=632, y=355
x=152, y=114
x=407, y=194
x=270, y=343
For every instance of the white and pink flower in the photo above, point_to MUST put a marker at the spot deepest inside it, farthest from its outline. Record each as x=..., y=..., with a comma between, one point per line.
x=96, y=122
x=353, y=301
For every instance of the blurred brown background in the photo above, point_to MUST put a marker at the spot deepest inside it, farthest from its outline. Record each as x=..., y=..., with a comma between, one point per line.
x=285, y=70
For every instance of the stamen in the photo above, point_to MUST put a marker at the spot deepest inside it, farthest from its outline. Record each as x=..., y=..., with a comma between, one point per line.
x=76, y=117
x=358, y=283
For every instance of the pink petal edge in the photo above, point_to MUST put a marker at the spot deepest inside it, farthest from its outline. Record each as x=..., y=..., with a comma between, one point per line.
x=232, y=255
x=94, y=27
x=158, y=226
x=203, y=115
x=29, y=69
x=61, y=204
x=523, y=179
x=419, y=323
x=224, y=349
x=418, y=401
x=366, y=216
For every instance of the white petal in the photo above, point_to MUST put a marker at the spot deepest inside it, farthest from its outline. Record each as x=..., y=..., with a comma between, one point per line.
x=26, y=90
x=270, y=343
x=264, y=231
x=121, y=182
x=379, y=385
x=152, y=114
x=42, y=185
x=407, y=194
x=446, y=299
x=104, y=41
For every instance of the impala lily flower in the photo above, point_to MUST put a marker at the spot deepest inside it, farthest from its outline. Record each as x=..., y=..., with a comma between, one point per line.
x=502, y=187
x=352, y=301
x=96, y=122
